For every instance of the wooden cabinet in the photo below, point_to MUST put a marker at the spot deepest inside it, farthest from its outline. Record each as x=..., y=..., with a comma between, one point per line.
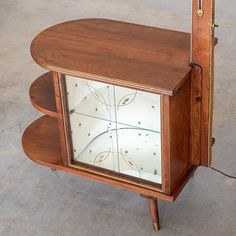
x=123, y=104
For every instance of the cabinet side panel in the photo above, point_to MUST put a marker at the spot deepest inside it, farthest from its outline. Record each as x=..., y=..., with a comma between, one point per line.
x=180, y=158
x=61, y=123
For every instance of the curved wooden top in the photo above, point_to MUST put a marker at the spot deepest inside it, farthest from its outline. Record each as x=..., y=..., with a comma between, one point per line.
x=42, y=95
x=130, y=55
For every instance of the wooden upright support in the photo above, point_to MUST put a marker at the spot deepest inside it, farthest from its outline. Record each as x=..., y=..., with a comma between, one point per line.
x=202, y=54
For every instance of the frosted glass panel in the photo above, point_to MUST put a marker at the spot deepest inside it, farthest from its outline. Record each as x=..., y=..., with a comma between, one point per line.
x=115, y=128
x=137, y=108
x=90, y=98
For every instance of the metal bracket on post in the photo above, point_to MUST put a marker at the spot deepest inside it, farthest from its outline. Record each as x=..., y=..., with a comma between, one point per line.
x=200, y=11
x=202, y=54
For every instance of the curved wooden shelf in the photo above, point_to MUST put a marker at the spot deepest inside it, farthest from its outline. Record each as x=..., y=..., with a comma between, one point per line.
x=41, y=142
x=42, y=95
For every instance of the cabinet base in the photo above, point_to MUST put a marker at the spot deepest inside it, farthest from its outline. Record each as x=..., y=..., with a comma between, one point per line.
x=41, y=144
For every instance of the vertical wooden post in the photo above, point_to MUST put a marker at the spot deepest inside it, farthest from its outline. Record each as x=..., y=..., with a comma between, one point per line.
x=203, y=55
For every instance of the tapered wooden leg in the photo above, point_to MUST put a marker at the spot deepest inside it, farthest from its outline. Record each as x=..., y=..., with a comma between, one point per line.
x=153, y=207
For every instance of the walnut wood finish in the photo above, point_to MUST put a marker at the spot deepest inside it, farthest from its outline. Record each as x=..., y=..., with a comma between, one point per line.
x=203, y=55
x=139, y=57
x=180, y=135
x=41, y=143
x=195, y=115
x=130, y=55
x=176, y=156
x=166, y=158
x=176, y=137
x=169, y=173
x=42, y=95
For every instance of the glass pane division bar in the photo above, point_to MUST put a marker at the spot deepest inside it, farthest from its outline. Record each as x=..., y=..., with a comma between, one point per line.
x=115, y=128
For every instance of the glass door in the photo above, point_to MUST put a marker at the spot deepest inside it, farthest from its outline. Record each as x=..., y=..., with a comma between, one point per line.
x=115, y=128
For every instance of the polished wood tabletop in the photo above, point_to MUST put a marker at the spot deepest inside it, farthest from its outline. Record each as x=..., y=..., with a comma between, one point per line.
x=125, y=54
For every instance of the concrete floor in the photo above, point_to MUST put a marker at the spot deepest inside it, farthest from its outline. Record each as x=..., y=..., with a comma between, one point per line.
x=35, y=201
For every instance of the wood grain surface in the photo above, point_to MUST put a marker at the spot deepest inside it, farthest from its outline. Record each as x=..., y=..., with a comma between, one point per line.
x=203, y=55
x=195, y=115
x=42, y=95
x=41, y=143
x=176, y=138
x=130, y=55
